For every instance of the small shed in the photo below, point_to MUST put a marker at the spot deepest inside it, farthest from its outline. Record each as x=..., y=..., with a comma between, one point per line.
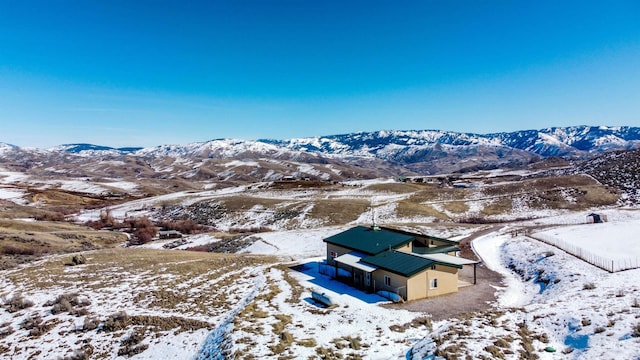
x=169, y=234
x=594, y=218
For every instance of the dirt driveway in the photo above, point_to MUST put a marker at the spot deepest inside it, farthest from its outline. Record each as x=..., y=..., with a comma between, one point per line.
x=468, y=299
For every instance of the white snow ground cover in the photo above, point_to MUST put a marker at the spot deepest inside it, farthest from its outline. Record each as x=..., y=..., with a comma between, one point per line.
x=13, y=194
x=77, y=185
x=616, y=242
x=586, y=312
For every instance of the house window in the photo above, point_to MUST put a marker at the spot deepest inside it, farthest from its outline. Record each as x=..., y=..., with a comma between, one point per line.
x=333, y=254
x=433, y=267
x=387, y=280
x=434, y=283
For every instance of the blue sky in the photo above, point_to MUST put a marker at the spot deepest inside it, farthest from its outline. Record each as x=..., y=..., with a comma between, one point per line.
x=145, y=73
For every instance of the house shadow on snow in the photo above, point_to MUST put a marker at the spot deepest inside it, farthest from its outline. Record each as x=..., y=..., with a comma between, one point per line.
x=331, y=287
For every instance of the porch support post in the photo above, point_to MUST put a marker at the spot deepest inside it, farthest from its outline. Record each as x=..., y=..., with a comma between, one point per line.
x=474, y=273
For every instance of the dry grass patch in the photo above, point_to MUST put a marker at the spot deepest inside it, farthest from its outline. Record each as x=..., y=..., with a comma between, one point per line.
x=575, y=192
x=599, y=196
x=53, y=197
x=286, y=339
x=296, y=288
x=498, y=206
x=456, y=207
x=244, y=203
x=167, y=276
x=398, y=188
x=33, y=239
x=432, y=192
x=338, y=212
x=409, y=209
x=282, y=321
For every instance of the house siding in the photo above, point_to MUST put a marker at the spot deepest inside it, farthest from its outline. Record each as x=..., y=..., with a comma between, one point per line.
x=447, y=281
x=339, y=250
x=417, y=286
x=407, y=248
x=398, y=282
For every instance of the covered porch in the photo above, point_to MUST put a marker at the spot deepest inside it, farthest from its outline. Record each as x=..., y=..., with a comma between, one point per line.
x=360, y=273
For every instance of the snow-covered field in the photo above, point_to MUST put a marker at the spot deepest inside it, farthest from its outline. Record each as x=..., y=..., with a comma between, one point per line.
x=614, y=240
x=13, y=194
x=75, y=185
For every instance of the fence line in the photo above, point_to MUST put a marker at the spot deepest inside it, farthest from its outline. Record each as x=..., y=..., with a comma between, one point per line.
x=611, y=265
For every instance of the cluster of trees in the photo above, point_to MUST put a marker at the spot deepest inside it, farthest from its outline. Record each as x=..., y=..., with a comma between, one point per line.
x=142, y=229
x=184, y=226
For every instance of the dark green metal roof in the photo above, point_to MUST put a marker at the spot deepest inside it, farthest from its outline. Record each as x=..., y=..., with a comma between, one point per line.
x=427, y=237
x=399, y=262
x=368, y=240
x=435, y=249
x=446, y=241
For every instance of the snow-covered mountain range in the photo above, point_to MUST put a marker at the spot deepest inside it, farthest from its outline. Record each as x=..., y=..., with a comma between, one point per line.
x=418, y=151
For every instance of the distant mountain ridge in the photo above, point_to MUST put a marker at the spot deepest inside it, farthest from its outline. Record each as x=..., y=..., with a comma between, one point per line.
x=555, y=141
x=419, y=151
x=77, y=148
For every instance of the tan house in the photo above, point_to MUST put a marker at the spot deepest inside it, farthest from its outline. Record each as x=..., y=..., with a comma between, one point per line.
x=411, y=265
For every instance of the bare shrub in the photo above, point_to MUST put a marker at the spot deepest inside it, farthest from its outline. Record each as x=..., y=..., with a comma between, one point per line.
x=354, y=343
x=635, y=331
x=132, y=344
x=283, y=321
x=120, y=320
x=50, y=216
x=106, y=220
x=5, y=330
x=69, y=303
x=200, y=248
x=116, y=321
x=17, y=303
x=184, y=226
x=327, y=353
x=285, y=341
x=90, y=323
x=36, y=326
x=422, y=321
x=589, y=286
x=83, y=353
x=143, y=230
x=495, y=352
x=77, y=260
x=310, y=342
x=257, y=229
x=19, y=250
x=227, y=246
x=502, y=343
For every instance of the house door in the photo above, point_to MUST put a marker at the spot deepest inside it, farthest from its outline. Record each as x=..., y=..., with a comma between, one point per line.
x=367, y=279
